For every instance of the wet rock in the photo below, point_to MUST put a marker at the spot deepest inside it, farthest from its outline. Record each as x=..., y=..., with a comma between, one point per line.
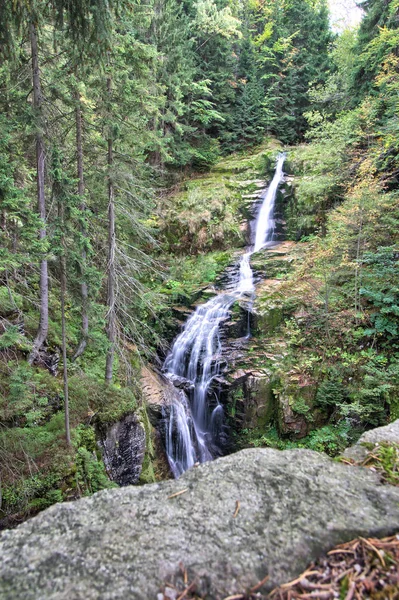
x=158, y=393
x=181, y=382
x=182, y=313
x=249, y=399
x=123, y=447
x=238, y=377
x=252, y=196
x=389, y=433
x=277, y=260
x=127, y=542
x=237, y=325
x=258, y=183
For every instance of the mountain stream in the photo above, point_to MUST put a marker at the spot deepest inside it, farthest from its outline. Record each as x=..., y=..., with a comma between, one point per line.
x=195, y=422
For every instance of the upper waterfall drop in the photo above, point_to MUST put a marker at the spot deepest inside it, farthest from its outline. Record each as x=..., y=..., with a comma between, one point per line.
x=195, y=420
x=265, y=221
x=264, y=229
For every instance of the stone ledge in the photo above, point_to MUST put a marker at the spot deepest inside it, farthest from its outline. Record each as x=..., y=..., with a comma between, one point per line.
x=124, y=543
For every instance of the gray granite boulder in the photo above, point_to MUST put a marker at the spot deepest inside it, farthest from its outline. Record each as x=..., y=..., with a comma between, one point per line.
x=389, y=433
x=124, y=543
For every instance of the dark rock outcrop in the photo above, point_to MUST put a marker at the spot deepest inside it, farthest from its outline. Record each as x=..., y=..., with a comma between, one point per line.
x=125, y=543
x=123, y=446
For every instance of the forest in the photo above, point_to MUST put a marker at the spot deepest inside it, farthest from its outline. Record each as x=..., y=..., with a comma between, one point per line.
x=129, y=132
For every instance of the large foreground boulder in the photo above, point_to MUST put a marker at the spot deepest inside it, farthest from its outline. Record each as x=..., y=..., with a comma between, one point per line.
x=243, y=516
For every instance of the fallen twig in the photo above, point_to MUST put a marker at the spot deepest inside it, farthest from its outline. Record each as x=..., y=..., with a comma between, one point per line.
x=259, y=585
x=353, y=564
x=187, y=590
x=351, y=591
x=178, y=494
x=370, y=545
x=295, y=581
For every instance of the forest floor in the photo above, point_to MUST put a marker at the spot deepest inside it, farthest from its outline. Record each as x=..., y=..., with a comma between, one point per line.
x=361, y=568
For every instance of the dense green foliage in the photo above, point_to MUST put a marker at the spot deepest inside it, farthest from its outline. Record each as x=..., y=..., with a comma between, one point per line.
x=339, y=308
x=138, y=108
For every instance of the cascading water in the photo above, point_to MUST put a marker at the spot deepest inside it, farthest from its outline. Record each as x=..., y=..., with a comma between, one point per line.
x=265, y=222
x=195, y=422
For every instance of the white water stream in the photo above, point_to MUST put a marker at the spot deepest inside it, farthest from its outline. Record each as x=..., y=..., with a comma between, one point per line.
x=196, y=421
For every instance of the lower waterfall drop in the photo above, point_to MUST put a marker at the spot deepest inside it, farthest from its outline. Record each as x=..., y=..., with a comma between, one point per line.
x=196, y=417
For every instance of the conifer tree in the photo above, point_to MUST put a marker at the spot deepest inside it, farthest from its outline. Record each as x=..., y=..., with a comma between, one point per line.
x=378, y=13
x=29, y=15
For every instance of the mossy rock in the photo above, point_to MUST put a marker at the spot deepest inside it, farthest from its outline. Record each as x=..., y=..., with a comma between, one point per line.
x=268, y=319
x=260, y=402
x=237, y=325
x=295, y=409
x=276, y=267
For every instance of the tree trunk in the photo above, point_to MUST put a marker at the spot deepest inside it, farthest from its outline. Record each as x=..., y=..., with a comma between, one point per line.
x=111, y=324
x=81, y=188
x=357, y=268
x=63, y=285
x=40, y=158
x=64, y=354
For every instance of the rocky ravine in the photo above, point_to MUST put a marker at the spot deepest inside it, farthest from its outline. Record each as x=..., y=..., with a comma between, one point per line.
x=125, y=543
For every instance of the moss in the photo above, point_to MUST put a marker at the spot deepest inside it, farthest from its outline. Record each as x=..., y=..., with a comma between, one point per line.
x=10, y=301
x=147, y=474
x=114, y=404
x=106, y=403
x=268, y=320
x=41, y=469
x=90, y=473
x=382, y=457
x=300, y=406
x=189, y=275
x=147, y=471
x=330, y=439
x=207, y=212
x=32, y=494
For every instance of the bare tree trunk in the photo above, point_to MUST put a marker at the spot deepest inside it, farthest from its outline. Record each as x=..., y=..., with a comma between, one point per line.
x=111, y=324
x=326, y=302
x=357, y=268
x=63, y=285
x=64, y=354
x=40, y=158
x=81, y=189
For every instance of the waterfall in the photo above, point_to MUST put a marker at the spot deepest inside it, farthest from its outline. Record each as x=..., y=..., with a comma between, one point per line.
x=196, y=417
x=265, y=222
x=195, y=356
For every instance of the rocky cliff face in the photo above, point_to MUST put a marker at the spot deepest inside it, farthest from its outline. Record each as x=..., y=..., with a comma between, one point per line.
x=123, y=446
x=235, y=520
x=253, y=390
